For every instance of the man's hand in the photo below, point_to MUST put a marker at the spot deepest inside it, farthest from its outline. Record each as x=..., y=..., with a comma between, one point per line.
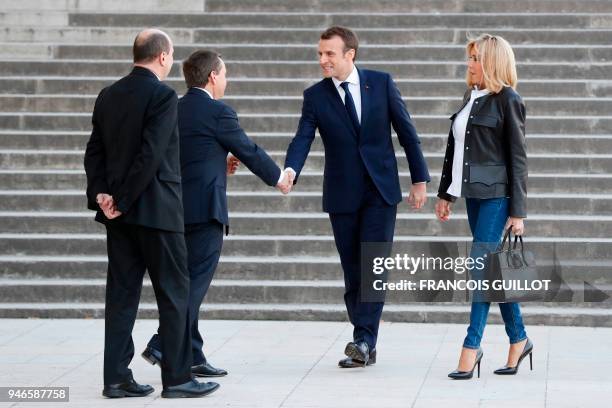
x=107, y=205
x=418, y=195
x=286, y=183
x=232, y=164
x=443, y=209
x=112, y=213
x=105, y=201
x=517, y=225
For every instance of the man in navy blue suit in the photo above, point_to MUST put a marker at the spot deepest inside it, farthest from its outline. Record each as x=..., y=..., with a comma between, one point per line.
x=208, y=131
x=354, y=109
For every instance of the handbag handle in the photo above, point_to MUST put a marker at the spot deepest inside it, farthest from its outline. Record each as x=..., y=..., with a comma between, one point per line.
x=507, y=237
x=517, y=238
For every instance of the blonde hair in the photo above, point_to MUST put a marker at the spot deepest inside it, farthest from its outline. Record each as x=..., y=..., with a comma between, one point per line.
x=497, y=59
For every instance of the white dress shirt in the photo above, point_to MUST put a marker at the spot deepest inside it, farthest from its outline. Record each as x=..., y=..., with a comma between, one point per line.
x=459, y=128
x=354, y=89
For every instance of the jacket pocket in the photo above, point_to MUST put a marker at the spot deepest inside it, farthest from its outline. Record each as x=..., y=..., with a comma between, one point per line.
x=488, y=174
x=169, y=177
x=485, y=120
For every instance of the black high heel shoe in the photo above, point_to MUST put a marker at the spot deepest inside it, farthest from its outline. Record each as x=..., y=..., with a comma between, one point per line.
x=527, y=351
x=466, y=375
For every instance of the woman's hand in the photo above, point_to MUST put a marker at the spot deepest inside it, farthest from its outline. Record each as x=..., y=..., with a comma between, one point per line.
x=443, y=209
x=518, y=228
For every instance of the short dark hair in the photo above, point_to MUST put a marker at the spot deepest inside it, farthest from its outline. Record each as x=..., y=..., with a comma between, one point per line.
x=149, y=46
x=198, y=66
x=348, y=36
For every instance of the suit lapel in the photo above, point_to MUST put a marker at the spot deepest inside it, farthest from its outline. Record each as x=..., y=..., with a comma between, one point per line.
x=365, y=88
x=339, y=105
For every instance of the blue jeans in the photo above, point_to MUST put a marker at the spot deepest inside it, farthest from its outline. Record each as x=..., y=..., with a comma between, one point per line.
x=487, y=218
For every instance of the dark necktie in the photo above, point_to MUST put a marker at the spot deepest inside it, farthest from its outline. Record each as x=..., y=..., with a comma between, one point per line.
x=349, y=104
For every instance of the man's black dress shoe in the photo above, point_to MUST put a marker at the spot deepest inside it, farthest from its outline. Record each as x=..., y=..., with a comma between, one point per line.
x=152, y=356
x=191, y=389
x=127, y=389
x=350, y=363
x=358, y=352
x=206, y=370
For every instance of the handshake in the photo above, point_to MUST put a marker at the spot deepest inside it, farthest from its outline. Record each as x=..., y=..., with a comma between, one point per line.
x=286, y=182
x=284, y=185
x=108, y=206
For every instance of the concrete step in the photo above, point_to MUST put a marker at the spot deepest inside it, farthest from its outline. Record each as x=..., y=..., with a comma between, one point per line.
x=439, y=105
x=33, y=17
x=224, y=291
x=418, y=313
x=44, y=234
x=107, y=5
x=274, y=223
x=309, y=181
x=261, y=268
x=410, y=6
x=270, y=141
x=279, y=35
x=305, y=52
x=538, y=163
x=309, y=68
x=62, y=85
x=287, y=122
x=310, y=202
x=354, y=20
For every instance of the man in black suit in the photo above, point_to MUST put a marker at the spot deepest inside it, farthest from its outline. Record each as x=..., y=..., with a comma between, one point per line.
x=209, y=130
x=133, y=182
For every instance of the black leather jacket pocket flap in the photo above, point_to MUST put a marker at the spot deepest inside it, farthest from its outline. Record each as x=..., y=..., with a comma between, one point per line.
x=485, y=120
x=169, y=177
x=488, y=175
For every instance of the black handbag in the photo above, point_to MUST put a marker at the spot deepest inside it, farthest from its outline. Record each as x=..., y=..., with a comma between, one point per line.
x=514, y=270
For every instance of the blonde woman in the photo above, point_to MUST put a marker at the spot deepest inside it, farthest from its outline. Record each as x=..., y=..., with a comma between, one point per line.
x=486, y=163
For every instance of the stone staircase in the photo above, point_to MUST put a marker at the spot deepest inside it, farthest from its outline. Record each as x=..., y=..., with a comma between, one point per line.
x=280, y=262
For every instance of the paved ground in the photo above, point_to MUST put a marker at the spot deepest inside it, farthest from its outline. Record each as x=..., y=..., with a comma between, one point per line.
x=293, y=364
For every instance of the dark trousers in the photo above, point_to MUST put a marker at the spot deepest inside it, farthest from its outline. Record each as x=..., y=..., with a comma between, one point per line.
x=373, y=222
x=132, y=249
x=204, y=243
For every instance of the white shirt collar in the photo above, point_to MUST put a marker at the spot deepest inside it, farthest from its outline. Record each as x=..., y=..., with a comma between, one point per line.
x=353, y=78
x=205, y=90
x=479, y=92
